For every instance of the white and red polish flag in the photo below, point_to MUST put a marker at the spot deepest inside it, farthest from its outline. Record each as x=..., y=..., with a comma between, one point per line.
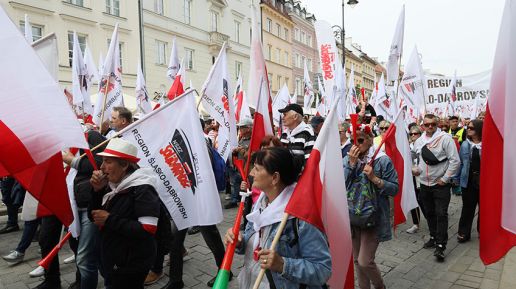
x=217, y=101
x=498, y=164
x=398, y=150
x=36, y=123
x=241, y=105
x=110, y=86
x=178, y=85
x=171, y=143
x=320, y=199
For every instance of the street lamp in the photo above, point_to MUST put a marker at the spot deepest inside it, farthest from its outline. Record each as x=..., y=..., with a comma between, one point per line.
x=351, y=3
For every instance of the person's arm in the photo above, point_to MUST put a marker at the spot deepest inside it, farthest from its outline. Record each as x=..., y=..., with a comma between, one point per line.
x=350, y=172
x=453, y=157
x=387, y=177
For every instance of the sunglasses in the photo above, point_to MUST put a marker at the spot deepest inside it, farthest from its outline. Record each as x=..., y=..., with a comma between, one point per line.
x=471, y=128
x=360, y=140
x=384, y=128
x=430, y=124
x=414, y=133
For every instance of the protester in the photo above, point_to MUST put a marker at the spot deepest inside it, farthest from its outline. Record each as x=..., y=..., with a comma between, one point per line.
x=298, y=137
x=438, y=163
x=369, y=188
x=317, y=122
x=121, y=117
x=470, y=152
x=29, y=231
x=455, y=130
x=383, y=126
x=414, y=134
x=12, y=196
x=301, y=258
x=87, y=252
x=125, y=206
x=366, y=111
x=345, y=142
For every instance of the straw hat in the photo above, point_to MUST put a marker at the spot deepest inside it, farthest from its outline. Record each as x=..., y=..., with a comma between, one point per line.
x=122, y=149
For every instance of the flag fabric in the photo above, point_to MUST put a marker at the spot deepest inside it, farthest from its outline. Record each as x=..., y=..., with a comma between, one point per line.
x=351, y=98
x=178, y=85
x=320, y=104
x=31, y=143
x=101, y=67
x=173, y=65
x=498, y=163
x=81, y=98
x=340, y=93
x=110, y=91
x=452, y=88
x=412, y=86
x=308, y=91
x=374, y=93
x=217, y=101
x=396, y=49
x=241, y=105
x=92, y=74
x=385, y=104
x=258, y=70
x=293, y=98
x=398, y=150
x=329, y=57
x=281, y=100
x=320, y=199
x=170, y=140
x=143, y=104
x=46, y=48
x=28, y=30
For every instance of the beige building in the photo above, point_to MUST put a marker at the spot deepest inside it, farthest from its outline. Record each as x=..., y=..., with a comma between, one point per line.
x=93, y=21
x=277, y=27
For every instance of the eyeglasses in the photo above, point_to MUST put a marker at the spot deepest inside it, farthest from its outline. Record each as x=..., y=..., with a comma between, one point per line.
x=414, y=133
x=360, y=140
x=383, y=127
x=470, y=127
x=430, y=124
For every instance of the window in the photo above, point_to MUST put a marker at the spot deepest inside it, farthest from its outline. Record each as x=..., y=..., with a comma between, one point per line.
x=309, y=64
x=158, y=6
x=296, y=34
x=269, y=76
x=302, y=64
x=189, y=58
x=279, y=82
x=298, y=85
x=76, y=2
x=286, y=34
x=188, y=9
x=161, y=50
x=297, y=61
x=269, y=52
x=120, y=46
x=238, y=68
x=286, y=59
x=309, y=43
x=37, y=30
x=278, y=29
x=113, y=7
x=302, y=37
x=214, y=20
x=286, y=80
x=278, y=56
x=237, y=31
x=269, y=25
x=82, y=44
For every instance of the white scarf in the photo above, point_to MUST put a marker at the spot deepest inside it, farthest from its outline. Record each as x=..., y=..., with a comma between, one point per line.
x=424, y=139
x=262, y=216
x=142, y=176
x=475, y=145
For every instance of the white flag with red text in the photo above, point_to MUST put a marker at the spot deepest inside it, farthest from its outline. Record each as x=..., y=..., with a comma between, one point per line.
x=329, y=57
x=173, y=65
x=217, y=101
x=81, y=97
x=412, y=87
x=143, y=104
x=396, y=49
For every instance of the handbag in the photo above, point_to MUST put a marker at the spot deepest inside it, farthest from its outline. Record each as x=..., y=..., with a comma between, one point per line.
x=429, y=158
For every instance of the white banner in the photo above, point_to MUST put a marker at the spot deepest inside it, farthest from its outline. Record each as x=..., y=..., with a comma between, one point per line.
x=171, y=142
x=328, y=55
x=468, y=88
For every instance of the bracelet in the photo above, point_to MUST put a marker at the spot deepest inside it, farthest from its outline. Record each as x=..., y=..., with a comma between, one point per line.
x=378, y=182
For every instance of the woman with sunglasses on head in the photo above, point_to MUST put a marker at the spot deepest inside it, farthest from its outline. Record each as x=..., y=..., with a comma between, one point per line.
x=302, y=257
x=369, y=184
x=470, y=152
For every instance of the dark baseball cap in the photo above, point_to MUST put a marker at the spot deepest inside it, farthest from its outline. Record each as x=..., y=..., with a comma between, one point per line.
x=293, y=106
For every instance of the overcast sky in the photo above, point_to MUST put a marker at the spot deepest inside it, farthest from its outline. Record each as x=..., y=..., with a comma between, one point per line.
x=449, y=34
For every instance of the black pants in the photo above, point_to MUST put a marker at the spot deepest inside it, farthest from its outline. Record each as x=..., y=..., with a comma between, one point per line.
x=132, y=280
x=50, y=232
x=416, y=213
x=470, y=196
x=435, y=200
x=212, y=238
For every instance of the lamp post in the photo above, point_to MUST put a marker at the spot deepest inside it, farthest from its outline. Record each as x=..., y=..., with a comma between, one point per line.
x=340, y=30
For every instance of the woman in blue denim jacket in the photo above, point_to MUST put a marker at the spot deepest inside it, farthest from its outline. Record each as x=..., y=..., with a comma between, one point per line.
x=470, y=152
x=382, y=181
x=302, y=255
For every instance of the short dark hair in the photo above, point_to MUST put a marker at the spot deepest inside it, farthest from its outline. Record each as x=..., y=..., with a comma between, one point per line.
x=278, y=159
x=267, y=140
x=453, y=117
x=477, y=127
x=124, y=113
x=430, y=116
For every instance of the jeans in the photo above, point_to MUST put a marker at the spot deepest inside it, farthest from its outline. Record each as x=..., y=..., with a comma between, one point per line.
x=49, y=237
x=235, y=180
x=29, y=230
x=12, y=196
x=435, y=201
x=212, y=238
x=365, y=242
x=88, y=251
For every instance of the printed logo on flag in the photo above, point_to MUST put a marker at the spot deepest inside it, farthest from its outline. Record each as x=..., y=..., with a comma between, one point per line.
x=327, y=58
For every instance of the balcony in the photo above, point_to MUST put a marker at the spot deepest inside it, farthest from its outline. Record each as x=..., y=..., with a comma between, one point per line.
x=216, y=41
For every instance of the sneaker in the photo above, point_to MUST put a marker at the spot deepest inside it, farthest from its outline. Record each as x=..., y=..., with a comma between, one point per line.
x=14, y=258
x=429, y=244
x=69, y=260
x=227, y=197
x=194, y=230
x=153, y=278
x=439, y=253
x=212, y=281
x=230, y=205
x=413, y=229
x=38, y=272
x=9, y=229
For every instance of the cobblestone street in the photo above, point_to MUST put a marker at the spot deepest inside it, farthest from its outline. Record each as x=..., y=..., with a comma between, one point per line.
x=403, y=262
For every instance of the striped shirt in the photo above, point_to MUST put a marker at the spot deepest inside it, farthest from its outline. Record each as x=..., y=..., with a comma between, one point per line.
x=300, y=141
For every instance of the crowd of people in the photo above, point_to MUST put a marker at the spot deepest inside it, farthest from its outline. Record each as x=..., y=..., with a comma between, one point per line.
x=126, y=231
